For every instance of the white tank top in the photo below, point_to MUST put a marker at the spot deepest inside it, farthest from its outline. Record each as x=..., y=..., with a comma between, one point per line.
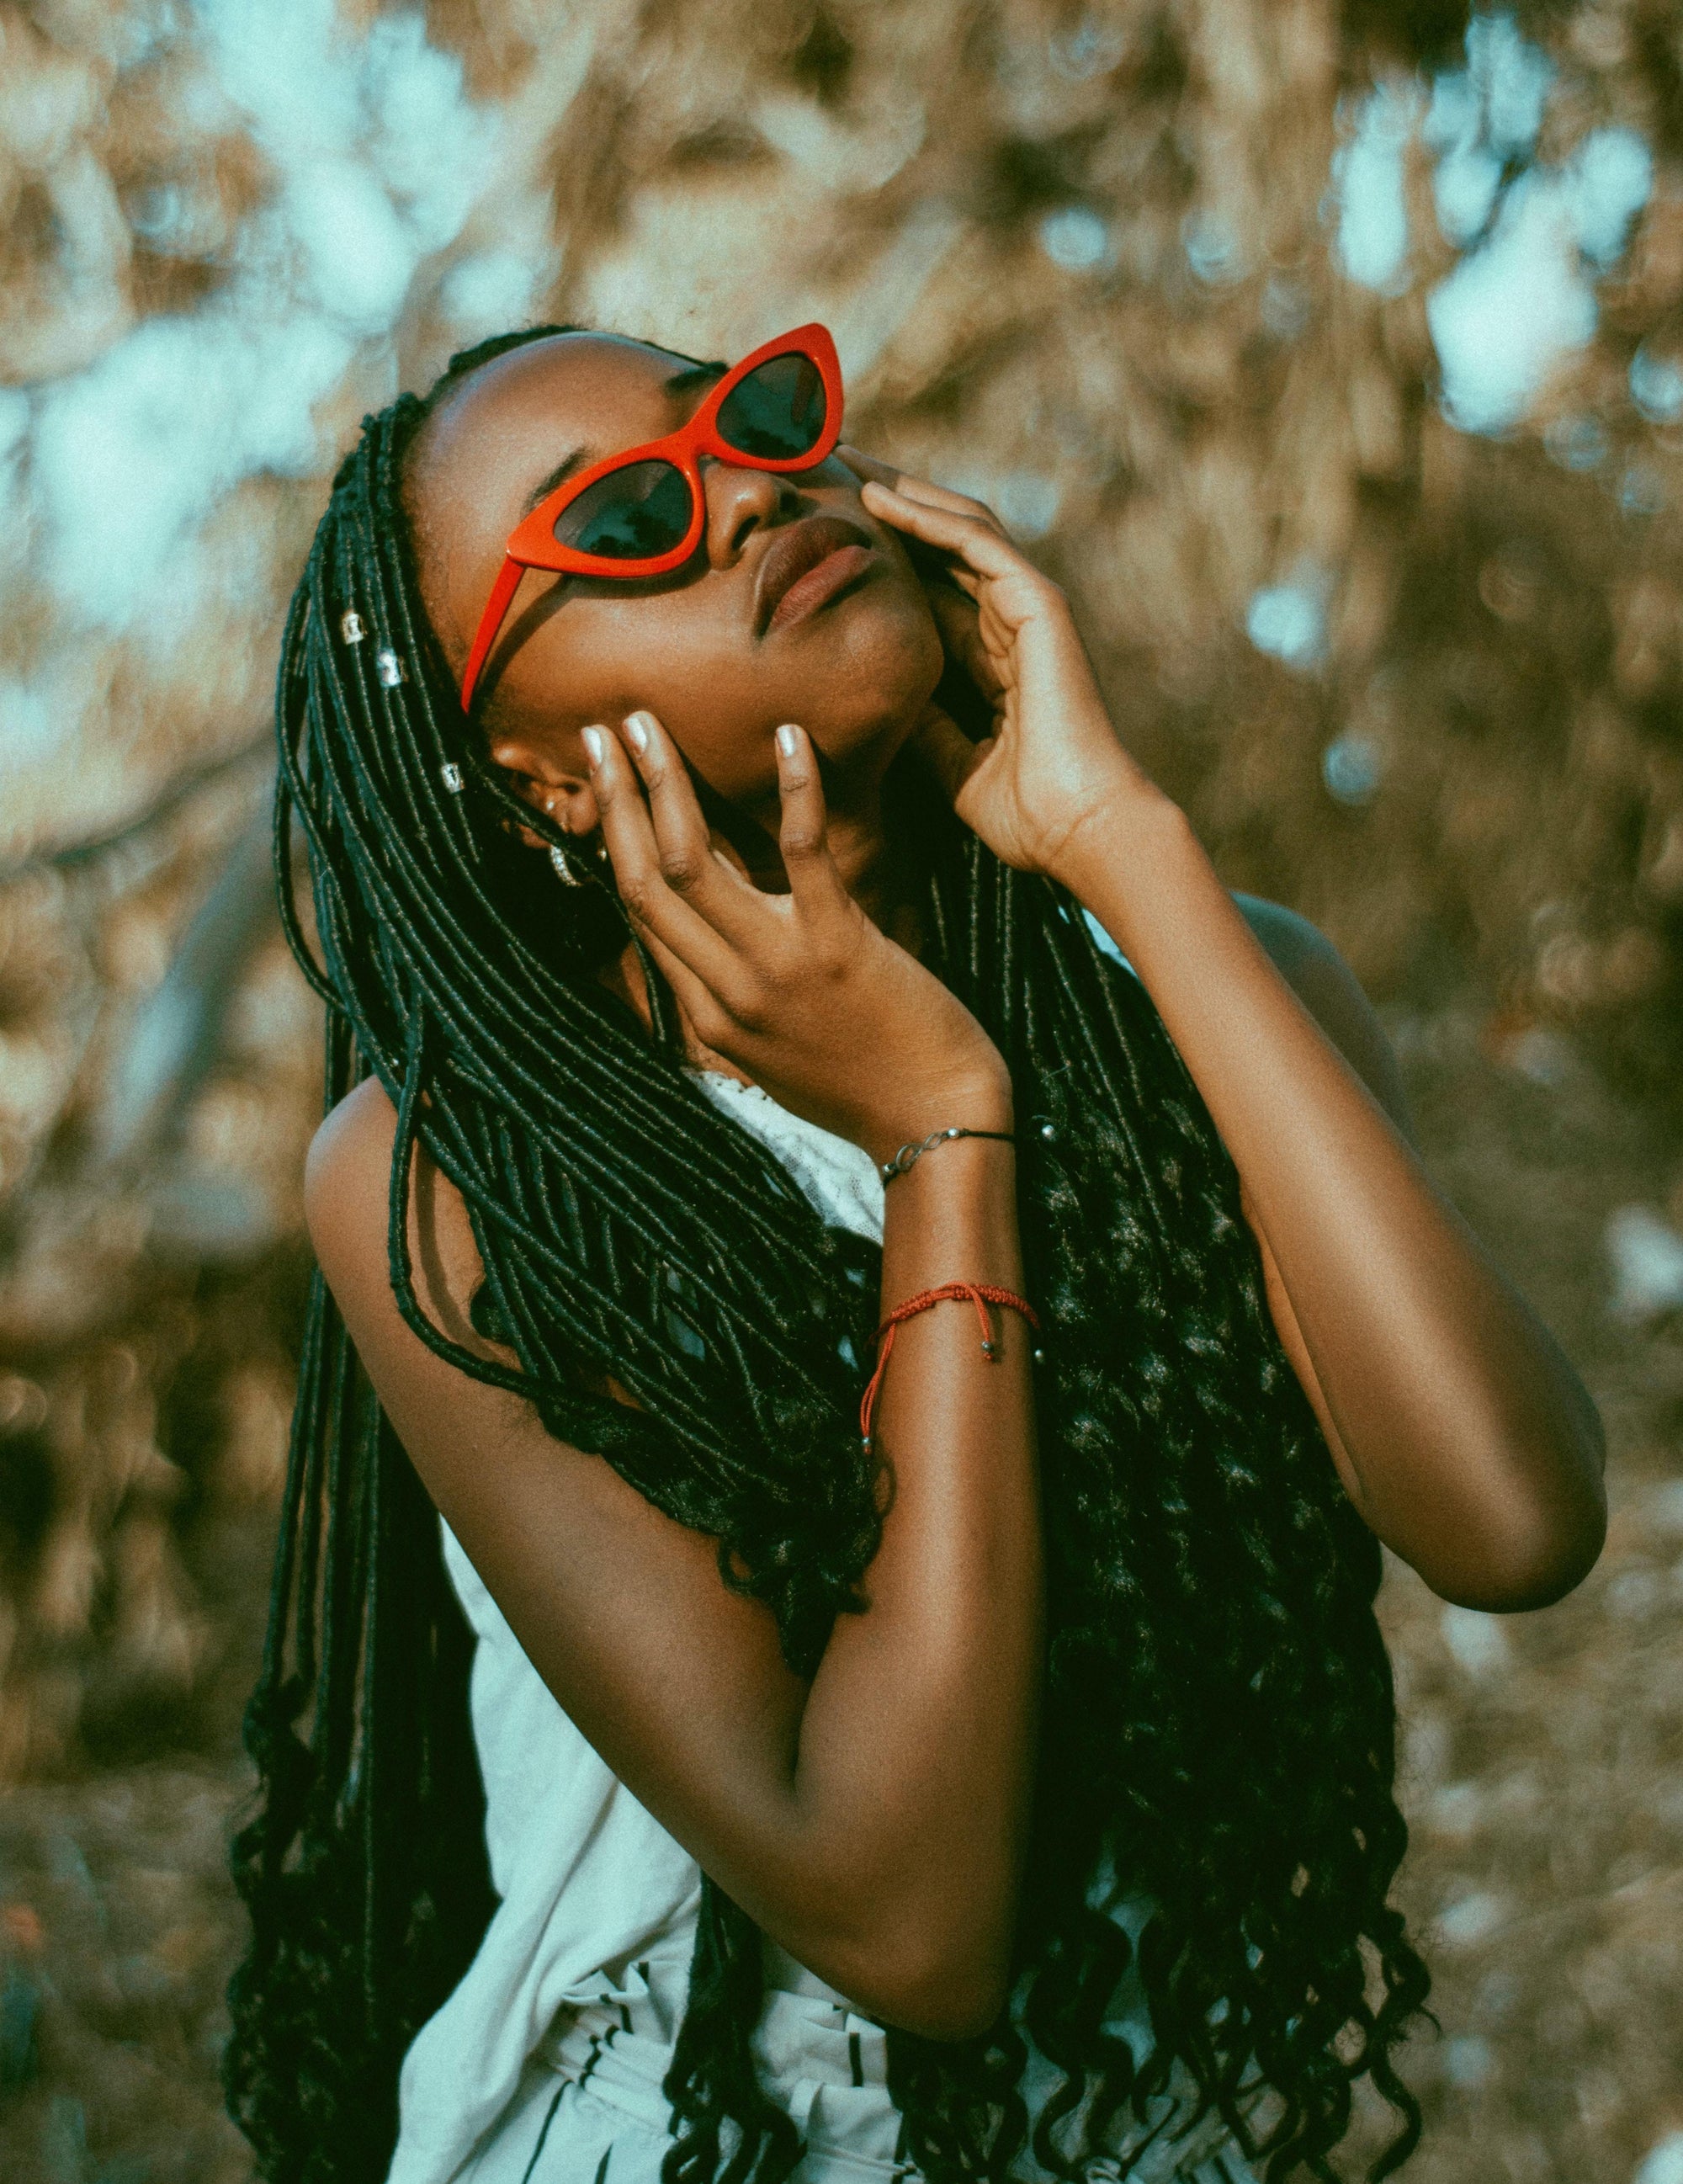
x=582, y=1972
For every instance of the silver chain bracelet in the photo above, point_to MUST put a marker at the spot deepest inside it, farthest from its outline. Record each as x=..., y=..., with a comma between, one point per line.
x=908, y=1154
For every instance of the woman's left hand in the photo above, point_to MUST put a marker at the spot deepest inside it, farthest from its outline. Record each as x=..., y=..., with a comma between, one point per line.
x=1053, y=762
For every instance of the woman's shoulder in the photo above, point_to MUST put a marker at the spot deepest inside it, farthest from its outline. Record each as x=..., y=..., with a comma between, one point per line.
x=347, y=1168
x=361, y=1128
x=346, y=1206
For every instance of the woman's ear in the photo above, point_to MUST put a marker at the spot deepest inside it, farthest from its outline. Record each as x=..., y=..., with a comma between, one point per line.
x=544, y=779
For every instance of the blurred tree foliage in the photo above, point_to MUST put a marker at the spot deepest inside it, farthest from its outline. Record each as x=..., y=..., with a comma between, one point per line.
x=1080, y=261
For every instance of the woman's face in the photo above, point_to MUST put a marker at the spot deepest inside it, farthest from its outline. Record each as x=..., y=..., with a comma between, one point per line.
x=703, y=648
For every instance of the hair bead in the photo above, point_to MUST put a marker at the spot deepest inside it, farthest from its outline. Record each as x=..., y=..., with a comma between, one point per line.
x=389, y=667
x=350, y=627
x=451, y=775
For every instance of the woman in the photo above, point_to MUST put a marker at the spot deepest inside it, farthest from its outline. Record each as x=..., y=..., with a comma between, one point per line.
x=700, y=994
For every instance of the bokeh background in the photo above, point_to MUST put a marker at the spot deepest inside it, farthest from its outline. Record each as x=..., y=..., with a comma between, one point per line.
x=1331, y=355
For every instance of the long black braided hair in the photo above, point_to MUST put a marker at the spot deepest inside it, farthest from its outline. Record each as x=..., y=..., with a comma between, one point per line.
x=1219, y=1721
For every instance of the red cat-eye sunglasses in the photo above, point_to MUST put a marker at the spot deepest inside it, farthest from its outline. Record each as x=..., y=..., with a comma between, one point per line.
x=641, y=513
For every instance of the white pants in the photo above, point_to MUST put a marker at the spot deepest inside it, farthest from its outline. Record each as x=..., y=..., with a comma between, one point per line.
x=589, y=2109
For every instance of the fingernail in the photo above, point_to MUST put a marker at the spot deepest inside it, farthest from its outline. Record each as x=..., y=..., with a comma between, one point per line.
x=636, y=726
x=595, y=743
x=788, y=742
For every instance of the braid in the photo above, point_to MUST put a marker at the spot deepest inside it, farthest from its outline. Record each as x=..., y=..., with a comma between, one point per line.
x=1219, y=1719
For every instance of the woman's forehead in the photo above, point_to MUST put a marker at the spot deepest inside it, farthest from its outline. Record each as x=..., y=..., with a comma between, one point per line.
x=585, y=389
x=493, y=439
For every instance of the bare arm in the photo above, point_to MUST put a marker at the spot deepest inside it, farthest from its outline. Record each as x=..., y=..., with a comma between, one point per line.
x=1459, y=1430
x=873, y=1823
x=1415, y=1512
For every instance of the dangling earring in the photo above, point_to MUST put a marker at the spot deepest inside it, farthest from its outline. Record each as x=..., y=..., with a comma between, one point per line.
x=560, y=859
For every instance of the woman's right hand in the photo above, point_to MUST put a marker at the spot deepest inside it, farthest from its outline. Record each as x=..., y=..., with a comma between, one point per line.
x=801, y=991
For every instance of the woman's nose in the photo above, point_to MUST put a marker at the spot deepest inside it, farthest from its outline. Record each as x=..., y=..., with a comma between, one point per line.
x=739, y=501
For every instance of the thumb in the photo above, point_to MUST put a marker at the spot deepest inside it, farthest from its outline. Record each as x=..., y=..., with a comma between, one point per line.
x=948, y=753
x=960, y=625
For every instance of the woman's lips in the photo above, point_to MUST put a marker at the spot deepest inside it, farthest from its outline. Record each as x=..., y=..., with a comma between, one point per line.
x=819, y=586
x=804, y=566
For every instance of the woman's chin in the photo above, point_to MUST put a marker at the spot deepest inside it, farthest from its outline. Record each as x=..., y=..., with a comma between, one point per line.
x=862, y=741
x=880, y=676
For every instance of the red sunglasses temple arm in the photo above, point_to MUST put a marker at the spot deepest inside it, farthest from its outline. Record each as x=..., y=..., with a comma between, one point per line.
x=490, y=622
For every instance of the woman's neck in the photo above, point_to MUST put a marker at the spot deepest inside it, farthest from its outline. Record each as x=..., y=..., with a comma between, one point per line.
x=862, y=847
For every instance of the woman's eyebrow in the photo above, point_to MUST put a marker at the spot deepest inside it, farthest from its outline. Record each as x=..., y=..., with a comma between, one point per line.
x=682, y=382
x=694, y=375
x=562, y=471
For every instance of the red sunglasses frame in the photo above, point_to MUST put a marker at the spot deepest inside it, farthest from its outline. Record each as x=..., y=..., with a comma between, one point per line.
x=532, y=544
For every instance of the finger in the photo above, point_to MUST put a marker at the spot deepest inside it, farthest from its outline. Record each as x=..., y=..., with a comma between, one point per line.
x=874, y=471
x=948, y=753
x=926, y=492
x=939, y=573
x=961, y=628
x=683, y=841
x=707, y=1015
x=868, y=466
x=629, y=833
x=804, y=836
x=979, y=548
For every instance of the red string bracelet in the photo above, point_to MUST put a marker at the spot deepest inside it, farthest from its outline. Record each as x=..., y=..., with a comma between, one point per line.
x=980, y=1294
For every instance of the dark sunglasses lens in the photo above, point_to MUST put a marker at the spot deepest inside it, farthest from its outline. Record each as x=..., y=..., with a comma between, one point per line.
x=777, y=412
x=632, y=515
